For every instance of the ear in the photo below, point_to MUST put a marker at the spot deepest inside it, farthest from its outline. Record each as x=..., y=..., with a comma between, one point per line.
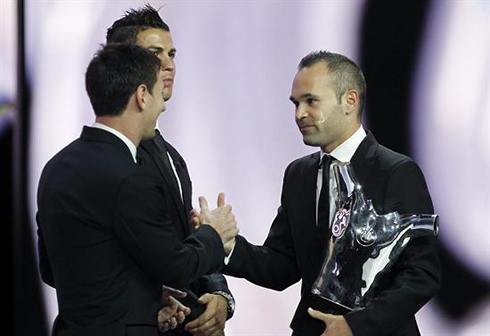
x=142, y=96
x=351, y=101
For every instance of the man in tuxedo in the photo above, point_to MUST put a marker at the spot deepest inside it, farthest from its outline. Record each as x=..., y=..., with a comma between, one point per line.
x=328, y=93
x=144, y=27
x=107, y=241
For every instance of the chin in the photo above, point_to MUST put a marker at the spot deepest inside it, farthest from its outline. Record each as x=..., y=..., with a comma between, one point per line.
x=167, y=94
x=310, y=142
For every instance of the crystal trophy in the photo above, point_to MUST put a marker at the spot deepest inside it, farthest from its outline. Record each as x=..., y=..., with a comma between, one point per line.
x=363, y=245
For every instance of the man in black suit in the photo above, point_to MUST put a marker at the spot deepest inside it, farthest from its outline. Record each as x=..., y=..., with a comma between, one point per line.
x=328, y=93
x=145, y=28
x=107, y=241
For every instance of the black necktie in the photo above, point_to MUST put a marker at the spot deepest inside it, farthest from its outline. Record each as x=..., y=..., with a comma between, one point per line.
x=324, y=200
x=162, y=153
x=184, y=178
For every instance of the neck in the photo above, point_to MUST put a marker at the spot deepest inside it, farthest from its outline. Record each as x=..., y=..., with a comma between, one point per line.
x=121, y=124
x=349, y=131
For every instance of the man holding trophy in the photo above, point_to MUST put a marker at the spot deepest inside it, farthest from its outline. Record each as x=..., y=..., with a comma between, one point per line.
x=364, y=243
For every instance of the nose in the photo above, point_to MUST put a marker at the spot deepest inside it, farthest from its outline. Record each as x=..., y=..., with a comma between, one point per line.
x=167, y=63
x=300, y=112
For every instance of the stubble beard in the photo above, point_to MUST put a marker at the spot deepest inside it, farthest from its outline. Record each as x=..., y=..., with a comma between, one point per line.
x=311, y=140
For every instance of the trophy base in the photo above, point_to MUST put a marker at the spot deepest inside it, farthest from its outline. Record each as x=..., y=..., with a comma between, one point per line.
x=305, y=325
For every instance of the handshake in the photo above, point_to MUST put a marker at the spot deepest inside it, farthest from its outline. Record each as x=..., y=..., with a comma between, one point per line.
x=174, y=302
x=221, y=219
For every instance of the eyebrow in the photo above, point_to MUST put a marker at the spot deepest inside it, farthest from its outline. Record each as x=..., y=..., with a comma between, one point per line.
x=160, y=49
x=304, y=96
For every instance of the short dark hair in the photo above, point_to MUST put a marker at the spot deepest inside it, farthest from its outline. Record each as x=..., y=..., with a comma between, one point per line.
x=347, y=74
x=127, y=28
x=115, y=73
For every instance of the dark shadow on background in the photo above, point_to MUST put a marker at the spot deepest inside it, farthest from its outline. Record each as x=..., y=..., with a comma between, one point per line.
x=6, y=190
x=29, y=316
x=391, y=34
x=390, y=37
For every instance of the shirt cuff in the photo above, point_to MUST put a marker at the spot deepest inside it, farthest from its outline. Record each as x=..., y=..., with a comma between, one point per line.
x=228, y=257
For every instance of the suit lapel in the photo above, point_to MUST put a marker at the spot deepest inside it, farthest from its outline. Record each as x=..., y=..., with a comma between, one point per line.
x=363, y=160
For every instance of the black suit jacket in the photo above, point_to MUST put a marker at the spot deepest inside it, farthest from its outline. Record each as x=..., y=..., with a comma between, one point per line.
x=293, y=248
x=155, y=161
x=107, y=242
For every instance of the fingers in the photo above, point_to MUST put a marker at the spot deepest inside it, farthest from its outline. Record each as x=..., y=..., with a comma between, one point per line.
x=195, y=214
x=221, y=199
x=180, y=308
x=166, y=324
x=212, y=321
x=173, y=323
x=172, y=314
x=203, y=202
x=198, y=323
x=195, y=218
x=163, y=327
x=209, y=328
x=168, y=292
x=180, y=316
x=201, y=320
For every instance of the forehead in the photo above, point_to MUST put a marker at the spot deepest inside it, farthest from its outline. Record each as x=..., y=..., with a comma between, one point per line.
x=315, y=79
x=155, y=37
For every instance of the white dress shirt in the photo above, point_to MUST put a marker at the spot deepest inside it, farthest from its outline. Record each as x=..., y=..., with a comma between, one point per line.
x=343, y=153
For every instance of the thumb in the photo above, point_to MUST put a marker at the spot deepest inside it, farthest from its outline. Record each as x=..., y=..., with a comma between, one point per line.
x=317, y=315
x=205, y=299
x=203, y=202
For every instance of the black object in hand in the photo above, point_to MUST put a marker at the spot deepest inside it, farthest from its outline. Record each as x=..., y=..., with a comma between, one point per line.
x=191, y=301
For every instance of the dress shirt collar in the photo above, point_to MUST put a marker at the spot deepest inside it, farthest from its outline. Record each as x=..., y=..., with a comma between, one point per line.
x=345, y=151
x=157, y=128
x=125, y=139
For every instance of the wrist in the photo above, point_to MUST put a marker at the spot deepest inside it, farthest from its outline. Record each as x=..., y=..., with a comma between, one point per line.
x=230, y=303
x=229, y=246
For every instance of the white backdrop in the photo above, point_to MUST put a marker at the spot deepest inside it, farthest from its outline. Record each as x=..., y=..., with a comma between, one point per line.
x=230, y=116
